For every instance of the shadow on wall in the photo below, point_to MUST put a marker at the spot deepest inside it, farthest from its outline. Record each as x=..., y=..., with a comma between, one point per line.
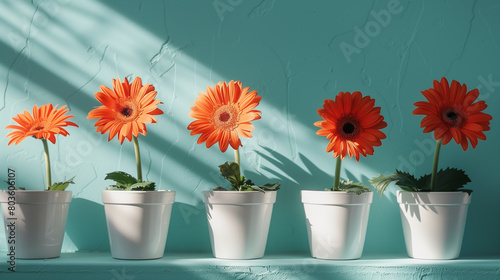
x=188, y=229
x=288, y=228
x=288, y=225
x=88, y=230
x=86, y=221
x=86, y=225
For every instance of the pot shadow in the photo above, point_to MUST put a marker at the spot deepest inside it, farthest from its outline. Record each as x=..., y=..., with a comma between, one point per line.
x=288, y=224
x=209, y=205
x=407, y=233
x=87, y=229
x=188, y=229
x=415, y=203
x=310, y=176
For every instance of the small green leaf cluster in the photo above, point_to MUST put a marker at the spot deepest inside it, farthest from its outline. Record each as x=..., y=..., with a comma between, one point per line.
x=447, y=180
x=127, y=182
x=349, y=186
x=231, y=172
x=61, y=186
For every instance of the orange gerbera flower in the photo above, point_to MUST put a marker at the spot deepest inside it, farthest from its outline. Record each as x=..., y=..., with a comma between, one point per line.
x=352, y=124
x=46, y=122
x=452, y=113
x=126, y=109
x=223, y=114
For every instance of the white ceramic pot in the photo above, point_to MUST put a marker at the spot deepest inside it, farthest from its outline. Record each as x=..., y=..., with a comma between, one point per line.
x=336, y=223
x=433, y=223
x=239, y=222
x=36, y=223
x=137, y=222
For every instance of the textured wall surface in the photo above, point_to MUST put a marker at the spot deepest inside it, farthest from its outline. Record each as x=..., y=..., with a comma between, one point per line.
x=295, y=54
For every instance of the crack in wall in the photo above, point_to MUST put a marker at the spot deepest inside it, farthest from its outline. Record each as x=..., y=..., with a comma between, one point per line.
x=404, y=65
x=101, y=59
x=466, y=40
x=82, y=189
x=287, y=73
x=25, y=48
x=164, y=60
x=264, y=7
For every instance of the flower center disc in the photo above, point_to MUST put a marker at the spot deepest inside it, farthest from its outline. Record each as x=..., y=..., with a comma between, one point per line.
x=226, y=117
x=129, y=110
x=348, y=128
x=40, y=125
x=452, y=118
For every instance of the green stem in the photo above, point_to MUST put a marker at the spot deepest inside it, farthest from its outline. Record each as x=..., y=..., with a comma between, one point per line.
x=237, y=156
x=435, y=165
x=337, y=174
x=47, y=162
x=138, y=159
x=237, y=160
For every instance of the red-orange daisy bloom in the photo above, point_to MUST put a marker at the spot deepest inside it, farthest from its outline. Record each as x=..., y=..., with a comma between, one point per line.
x=46, y=122
x=126, y=109
x=224, y=113
x=352, y=124
x=452, y=113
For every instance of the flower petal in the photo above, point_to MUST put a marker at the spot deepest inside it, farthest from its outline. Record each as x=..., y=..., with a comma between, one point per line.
x=352, y=124
x=223, y=114
x=467, y=121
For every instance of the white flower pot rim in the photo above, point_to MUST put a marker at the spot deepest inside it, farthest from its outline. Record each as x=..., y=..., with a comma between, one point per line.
x=239, y=197
x=236, y=191
x=335, y=197
x=37, y=197
x=433, y=198
x=37, y=191
x=138, y=197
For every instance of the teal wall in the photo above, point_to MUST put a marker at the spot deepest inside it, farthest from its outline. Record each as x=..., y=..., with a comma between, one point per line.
x=290, y=52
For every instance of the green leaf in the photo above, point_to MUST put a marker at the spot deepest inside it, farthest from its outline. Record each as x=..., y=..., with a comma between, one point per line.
x=246, y=181
x=61, y=186
x=143, y=186
x=450, y=179
x=408, y=182
x=404, y=180
x=127, y=182
x=219, y=188
x=121, y=178
x=115, y=188
x=356, y=187
x=348, y=186
x=270, y=187
x=253, y=188
x=231, y=172
x=424, y=183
